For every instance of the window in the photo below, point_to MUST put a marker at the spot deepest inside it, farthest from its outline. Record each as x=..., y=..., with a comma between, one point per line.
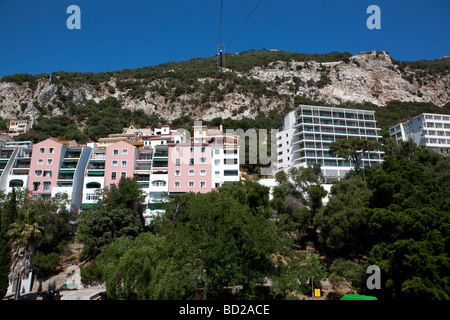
x=217, y=162
x=191, y=161
x=41, y=150
x=114, y=163
x=92, y=196
x=38, y=173
x=192, y=149
x=40, y=162
x=51, y=150
x=177, y=184
x=115, y=151
x=216, y=151
x=123, y=174
x=177, y=172
x=191, y=172
x=230, y=161
x=202, y=184
x=47, y=173
x=159, y=183
x=177, y=162
x=113, y=175
x=124, y=163
x=191, y=184
x=46, y=186
x=124, y=152
x=217, y=184
x=203, y=149
x=178, y=150
x=202, y=160
x=203, y=172
x=36, y=186
x=217, y=173
x=49, y=161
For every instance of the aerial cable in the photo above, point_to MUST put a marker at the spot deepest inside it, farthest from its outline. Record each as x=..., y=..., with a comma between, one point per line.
x=220, y=27
x=257, y=18
x=246, y=20
x=220, y=47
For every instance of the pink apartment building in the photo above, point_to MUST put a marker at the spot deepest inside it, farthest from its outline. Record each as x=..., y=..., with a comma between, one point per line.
x=189, y=168
x=44, y=168
x=120, y=162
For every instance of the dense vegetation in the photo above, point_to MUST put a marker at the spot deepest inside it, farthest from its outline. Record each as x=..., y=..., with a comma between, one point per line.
x=40, y=230
x=395, y=216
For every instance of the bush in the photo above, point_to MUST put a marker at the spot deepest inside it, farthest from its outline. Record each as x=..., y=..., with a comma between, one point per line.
x=91, y=272
x=45, y=265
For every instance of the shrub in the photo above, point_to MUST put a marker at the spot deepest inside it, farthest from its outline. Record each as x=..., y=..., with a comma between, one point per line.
x=45, y=265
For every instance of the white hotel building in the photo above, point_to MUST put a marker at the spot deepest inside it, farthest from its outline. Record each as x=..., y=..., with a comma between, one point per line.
x=430, y=130
x=309, y=130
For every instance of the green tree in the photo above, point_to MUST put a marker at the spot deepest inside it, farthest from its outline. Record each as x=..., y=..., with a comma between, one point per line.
x=100, y=226
x=315, y=195
x=353, y=149
x=343, y=221
x=25, y=234
x=128, y=195
x=346, y=270
x=45, y=265
x=232, y=245
x=297, y=274
x=8, y=214
x=410, y=222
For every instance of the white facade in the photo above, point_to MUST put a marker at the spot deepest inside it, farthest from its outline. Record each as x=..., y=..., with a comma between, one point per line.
x=427, y=129
x=225, y=165
x=17, y=127
x=94, y=175
x=309, y=130
x=225, y=154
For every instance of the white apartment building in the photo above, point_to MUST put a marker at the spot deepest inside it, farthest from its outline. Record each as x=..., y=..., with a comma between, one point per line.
x=309, y=130
x=225, y=154
x=427, y=129
x=16, y=127
x=94, y=175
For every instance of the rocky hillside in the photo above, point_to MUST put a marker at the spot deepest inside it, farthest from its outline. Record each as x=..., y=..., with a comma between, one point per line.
x=254, y=81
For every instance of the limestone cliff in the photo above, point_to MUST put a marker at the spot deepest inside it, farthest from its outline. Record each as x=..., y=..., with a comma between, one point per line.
x=366, y=77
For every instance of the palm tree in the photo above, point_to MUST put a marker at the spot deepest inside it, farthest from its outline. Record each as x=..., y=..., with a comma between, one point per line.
x=25, y=234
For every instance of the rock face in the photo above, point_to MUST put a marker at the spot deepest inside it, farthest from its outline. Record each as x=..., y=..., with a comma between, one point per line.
x=368, y=77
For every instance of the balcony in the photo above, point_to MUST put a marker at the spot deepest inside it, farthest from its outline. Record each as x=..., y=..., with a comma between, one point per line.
x=143, y=167
x=96, y=166
x=20, y=172
x=72, y=154
x=96, y=173
x=5, y=155
x=65, y=176
x=98, y=156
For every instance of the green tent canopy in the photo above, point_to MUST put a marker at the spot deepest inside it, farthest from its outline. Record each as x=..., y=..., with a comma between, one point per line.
x=358, y=297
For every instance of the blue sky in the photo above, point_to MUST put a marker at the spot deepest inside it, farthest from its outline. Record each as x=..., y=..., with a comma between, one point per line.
x=129, y=34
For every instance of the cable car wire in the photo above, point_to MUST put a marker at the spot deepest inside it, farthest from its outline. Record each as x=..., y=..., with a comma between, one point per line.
x=220, y=28
x=246, y=20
